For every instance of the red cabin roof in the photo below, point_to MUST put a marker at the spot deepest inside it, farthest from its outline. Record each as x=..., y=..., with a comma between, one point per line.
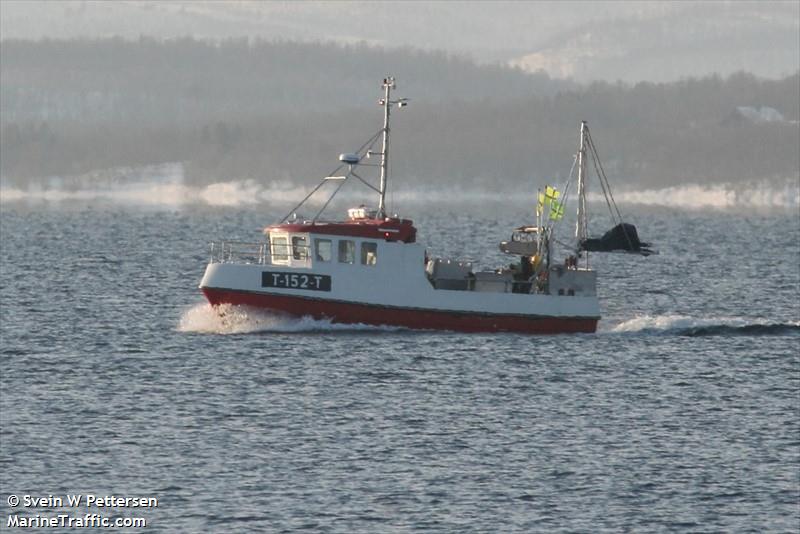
x=387, y=229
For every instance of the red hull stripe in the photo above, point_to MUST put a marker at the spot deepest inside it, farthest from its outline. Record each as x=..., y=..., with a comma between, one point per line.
x=415, y=318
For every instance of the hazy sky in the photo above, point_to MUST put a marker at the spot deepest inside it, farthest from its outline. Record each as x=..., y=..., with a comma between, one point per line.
x=627, y=40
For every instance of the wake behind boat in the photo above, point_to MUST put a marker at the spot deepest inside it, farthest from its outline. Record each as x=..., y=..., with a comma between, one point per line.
x=369, y=268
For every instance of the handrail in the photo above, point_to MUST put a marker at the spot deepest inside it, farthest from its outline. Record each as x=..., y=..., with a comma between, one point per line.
x=256, y=252
x=239, y=252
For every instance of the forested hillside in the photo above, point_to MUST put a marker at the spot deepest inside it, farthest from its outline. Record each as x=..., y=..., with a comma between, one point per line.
x=284, y=111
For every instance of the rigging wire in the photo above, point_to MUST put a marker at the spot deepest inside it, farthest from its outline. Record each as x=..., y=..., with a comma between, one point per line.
x=601, y=178
x=360, y=151
x=607, y=188
x=328, y=201
x=371, y=141
x=293, y=210
x=363, y=181
x=565, y=198
x=602, y=175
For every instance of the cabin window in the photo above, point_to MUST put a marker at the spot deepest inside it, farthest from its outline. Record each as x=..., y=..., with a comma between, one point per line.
x=369, y=253
x=347, y=251
x=279, y=248
x=322, y=249
x=299, y=247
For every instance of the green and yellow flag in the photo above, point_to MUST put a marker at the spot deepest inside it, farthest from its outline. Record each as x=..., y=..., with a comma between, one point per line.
x=549, y=199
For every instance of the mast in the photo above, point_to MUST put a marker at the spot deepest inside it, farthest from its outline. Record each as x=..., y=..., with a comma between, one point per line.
x=582, y=224
x=388, y=85
x=387, y=103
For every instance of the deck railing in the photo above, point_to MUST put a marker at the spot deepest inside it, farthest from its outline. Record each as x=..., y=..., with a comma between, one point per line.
x=239, y=252
x=255, y=253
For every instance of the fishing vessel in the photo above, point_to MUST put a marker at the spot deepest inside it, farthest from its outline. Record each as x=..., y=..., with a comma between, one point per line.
x=368, y=267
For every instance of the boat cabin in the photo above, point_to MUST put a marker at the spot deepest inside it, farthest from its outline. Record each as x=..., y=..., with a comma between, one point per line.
x=355, y=241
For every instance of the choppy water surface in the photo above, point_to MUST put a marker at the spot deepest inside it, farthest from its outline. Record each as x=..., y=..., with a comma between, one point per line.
x=680, y=414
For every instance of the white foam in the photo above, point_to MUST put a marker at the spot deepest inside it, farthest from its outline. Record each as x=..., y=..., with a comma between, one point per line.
x=680, y=322
x=230, y=319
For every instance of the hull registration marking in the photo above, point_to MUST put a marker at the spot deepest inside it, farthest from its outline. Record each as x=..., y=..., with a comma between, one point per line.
x=314, y=282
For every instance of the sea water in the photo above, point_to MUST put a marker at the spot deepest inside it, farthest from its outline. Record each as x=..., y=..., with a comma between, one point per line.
x=680, y=414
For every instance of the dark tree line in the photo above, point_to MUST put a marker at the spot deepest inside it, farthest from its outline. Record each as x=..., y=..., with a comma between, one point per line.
x=190, y=80
x=284, y=111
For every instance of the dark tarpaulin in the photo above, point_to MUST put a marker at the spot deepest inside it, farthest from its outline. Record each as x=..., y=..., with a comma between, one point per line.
x=623, y=237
